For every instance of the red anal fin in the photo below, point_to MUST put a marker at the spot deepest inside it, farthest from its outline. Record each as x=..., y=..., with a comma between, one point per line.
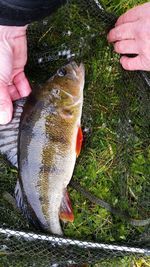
x=66, y=212
x=79, y=141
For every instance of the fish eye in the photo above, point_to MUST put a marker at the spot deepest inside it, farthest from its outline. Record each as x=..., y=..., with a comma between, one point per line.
x=61, y=72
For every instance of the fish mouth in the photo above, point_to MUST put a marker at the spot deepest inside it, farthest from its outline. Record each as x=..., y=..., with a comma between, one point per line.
x=76, y=68
x=81, y=68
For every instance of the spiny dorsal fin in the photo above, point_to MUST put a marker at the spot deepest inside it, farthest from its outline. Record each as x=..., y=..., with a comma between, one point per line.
x=9, y=134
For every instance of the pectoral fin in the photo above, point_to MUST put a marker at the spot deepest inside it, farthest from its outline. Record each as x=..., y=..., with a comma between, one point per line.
x=79, y=141
x=66, y=212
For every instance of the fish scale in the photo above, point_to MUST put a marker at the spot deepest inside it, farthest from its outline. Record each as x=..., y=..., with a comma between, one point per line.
x=47, y=143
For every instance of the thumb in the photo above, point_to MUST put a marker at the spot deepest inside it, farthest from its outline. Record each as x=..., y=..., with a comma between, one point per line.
x=22, y=84
x=6, y=107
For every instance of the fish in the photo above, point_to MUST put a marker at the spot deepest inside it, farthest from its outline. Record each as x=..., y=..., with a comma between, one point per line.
x=43, y=141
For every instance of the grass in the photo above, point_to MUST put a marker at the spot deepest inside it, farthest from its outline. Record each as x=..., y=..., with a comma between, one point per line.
x=121, y=6
x=114, y=163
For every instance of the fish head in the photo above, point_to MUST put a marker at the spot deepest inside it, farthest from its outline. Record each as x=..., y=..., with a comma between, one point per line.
x=67, y=84
x=71, y=78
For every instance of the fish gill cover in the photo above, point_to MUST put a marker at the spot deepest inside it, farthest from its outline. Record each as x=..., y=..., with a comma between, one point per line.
x=114, y=164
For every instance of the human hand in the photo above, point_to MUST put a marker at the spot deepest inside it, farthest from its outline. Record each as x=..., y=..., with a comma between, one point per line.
x=13, y=57
x=131, y=35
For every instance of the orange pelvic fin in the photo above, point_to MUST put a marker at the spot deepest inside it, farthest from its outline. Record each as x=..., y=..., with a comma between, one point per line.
x=79, y=141
x=66, y=212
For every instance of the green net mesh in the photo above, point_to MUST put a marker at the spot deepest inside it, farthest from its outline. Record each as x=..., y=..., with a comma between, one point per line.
x=114, y=164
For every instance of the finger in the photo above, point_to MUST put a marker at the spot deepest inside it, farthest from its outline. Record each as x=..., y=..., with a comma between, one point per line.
x=22, y=84
x=126, y=47
x=20, y=57
x=6, y=107
x=121, y=32
x=13, y=92
x=130, y=16
x=134, y=14
x=135, y=63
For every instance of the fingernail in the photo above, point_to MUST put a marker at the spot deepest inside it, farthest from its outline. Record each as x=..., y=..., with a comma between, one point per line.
x=4, y=117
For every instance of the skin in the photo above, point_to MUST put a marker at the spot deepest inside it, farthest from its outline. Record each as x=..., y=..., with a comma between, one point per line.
x=47, y=144
x=131, y=35
x=13, y=57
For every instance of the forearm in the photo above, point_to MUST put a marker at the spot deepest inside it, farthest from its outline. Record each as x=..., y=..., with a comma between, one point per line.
x=22, y=12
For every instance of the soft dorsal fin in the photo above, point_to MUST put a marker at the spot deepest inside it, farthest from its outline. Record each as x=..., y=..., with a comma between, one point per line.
x=9, y=134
